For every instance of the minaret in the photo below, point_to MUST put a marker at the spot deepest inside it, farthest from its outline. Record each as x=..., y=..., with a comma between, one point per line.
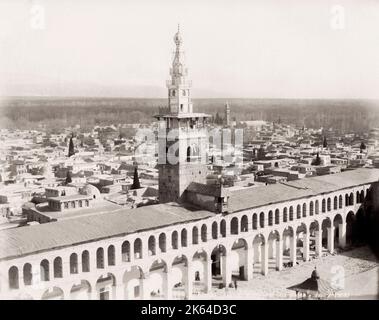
x=227, y=115
x=182, y=139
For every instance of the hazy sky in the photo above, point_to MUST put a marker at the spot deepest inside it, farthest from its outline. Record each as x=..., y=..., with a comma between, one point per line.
x=236, y=48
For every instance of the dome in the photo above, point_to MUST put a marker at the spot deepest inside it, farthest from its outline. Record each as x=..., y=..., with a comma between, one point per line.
x=90, y=190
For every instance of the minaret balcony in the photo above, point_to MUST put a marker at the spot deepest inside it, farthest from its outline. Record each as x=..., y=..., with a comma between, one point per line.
x=178, y=82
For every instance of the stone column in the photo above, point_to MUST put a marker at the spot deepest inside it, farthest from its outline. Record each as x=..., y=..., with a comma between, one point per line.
x=293, y=249
x=208, y=274
x=144, y=287
x=189, y=281
x=279, y=255
x=331, y=239
x=306, y=246
x=342, y=235
x=318, y=236
x=225, y=270
x=264, y=262
x=249, y=263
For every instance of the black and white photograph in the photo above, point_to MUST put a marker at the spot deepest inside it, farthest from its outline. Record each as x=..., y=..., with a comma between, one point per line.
x=189, y=150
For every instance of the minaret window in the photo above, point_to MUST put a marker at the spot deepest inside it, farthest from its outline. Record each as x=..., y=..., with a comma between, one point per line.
x=181, y=107
x=184, y=92
x=173, y=93
x=189, y=154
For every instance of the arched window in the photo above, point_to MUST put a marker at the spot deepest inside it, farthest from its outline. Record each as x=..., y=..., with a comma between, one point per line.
x=262, y=220
x=174, y=240
x=358, y=198
x=13, y=278
x=362, y=196
x=85, y=261
x=44, y=270
x=138, y=249
x=162, y=242
x=298, y=211
x=291, y=213
x=28, y=275
x=111, y=255
x=335, y=203
x=195, y=235
x=125, y=251
x=204, y=233
x=317, y=207
x=173, y=93
x=183, y=238
x=100, y=258
x=323, y=205
x=346, y=200
x=214, y=230
x=244, y=224
x=255, y=221
x=285, y=215
x=270, y=218
x=340, y=201
x=329, y=204
x=151, y=245
x=73, y=263
x=234, y=226
x=57, y=264
x=311, y=209
x=351, y=199
x=304, y=210
x=223, y=228
x=277, y=218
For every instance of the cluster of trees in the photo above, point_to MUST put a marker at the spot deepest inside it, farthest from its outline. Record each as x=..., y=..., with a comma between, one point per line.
x=344, y=115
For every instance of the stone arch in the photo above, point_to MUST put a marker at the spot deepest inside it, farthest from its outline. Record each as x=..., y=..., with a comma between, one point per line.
x=162, y=240
x=106, y=286
x=350, y=228
x=13, y=278
x=133, y=280
x=179, y=279
x=54, y=293
x=157, y=277
x=57, y=267
x=234, y=225
x=151, y=244
x=81, y=291
x=238, y=259
x=214, y=230
x=200, y=265
x=244, y=224
x=73, y=263
x=218, y=258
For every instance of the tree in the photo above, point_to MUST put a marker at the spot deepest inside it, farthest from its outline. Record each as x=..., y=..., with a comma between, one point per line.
x=325, y=143
x=71, y=150
x=317, y=161
x=136, y=184
x=68, y=177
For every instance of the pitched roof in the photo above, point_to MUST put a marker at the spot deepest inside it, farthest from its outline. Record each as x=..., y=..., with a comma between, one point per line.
x=49, y=236
x=253, y=197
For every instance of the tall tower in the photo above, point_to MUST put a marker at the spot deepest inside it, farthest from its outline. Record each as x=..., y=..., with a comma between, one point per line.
x=182, y=138
x=227, y=115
